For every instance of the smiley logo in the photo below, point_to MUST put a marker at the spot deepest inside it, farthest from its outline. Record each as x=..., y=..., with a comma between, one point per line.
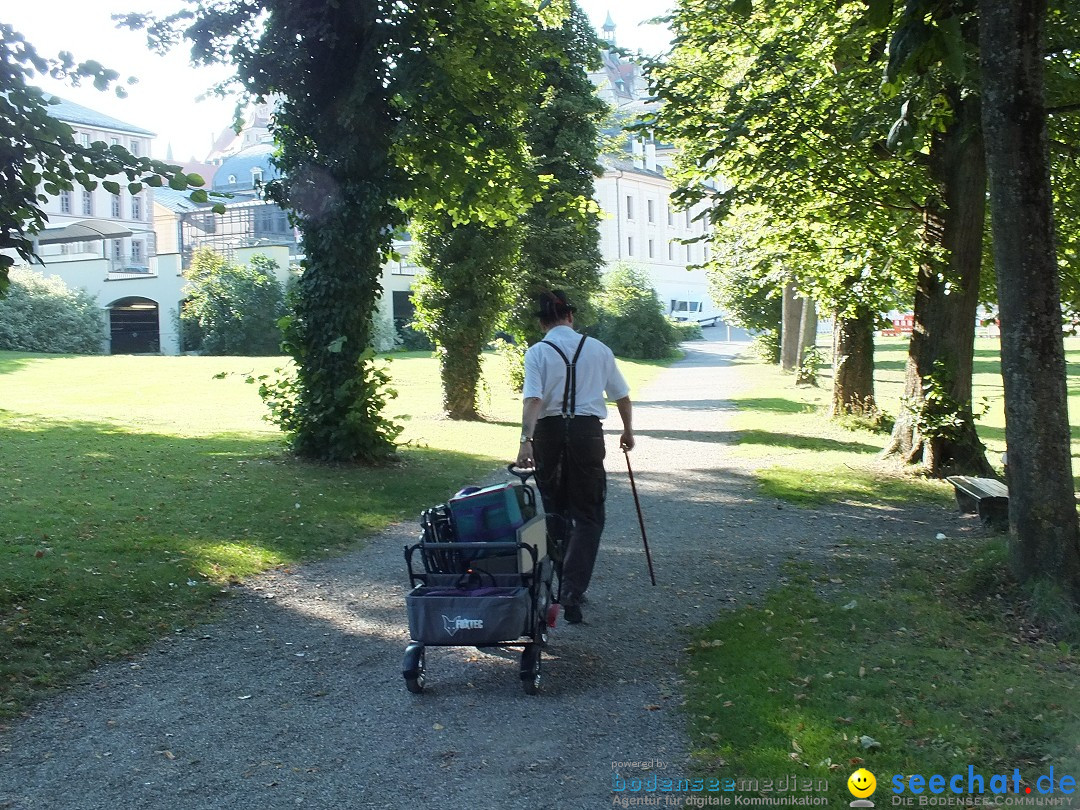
x=862, y=784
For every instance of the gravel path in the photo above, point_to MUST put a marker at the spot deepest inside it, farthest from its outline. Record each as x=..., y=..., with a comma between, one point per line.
x=296, y=698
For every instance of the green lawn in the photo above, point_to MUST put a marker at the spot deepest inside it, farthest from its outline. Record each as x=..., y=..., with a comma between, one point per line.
x=901, y=657
x=137, y=488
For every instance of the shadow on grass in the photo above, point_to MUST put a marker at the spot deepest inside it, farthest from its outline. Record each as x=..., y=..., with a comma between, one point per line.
x=773, y=405
x=909, y=661
x=795, y=441
x=847, y=485
x=14, y=361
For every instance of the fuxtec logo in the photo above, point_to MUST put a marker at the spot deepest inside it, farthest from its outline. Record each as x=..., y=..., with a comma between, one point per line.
x=458, y=623
x=1006, y=789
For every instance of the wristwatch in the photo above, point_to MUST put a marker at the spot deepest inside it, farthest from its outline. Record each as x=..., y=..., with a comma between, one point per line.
x=525, y=438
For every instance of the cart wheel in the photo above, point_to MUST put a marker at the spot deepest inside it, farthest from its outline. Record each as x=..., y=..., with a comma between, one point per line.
x=530, y=668
x=413, y=668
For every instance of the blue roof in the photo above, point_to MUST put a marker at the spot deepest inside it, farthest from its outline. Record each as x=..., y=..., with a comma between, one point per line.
x=239, y=166
x=74, y=113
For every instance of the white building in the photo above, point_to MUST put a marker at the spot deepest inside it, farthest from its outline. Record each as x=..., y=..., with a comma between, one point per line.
x=105, y=243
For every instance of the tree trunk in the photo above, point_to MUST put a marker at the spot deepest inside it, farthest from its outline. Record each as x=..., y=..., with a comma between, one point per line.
x=946, y=299
x=1044, y=532
x=807, y=327
x=790, y=329
x=337, y=416
x=853, y=366
x=460, y=369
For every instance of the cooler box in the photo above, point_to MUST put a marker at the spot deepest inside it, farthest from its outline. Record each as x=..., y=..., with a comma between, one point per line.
x=501, y=513
x=491, y=514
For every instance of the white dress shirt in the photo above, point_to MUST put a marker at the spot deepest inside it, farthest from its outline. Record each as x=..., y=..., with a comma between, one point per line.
x=596, y=374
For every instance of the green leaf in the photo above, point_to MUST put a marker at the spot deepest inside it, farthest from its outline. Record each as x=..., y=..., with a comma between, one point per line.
x=198, y=196
x=742, y=8
x=178, y=183
x=878, y=14
x=953, y=47
x=195, y=180
x=111, y=186
x=134, y=188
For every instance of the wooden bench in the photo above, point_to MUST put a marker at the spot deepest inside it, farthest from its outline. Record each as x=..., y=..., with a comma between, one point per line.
x=986, y=497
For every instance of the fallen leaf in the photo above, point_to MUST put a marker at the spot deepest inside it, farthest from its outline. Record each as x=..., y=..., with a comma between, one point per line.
x=438, y=726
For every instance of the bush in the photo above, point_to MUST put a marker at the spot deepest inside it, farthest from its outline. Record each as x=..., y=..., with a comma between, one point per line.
x=413, y=340
x=232, y=309
x=631, y=318
x=45, y=315
x=686, y=330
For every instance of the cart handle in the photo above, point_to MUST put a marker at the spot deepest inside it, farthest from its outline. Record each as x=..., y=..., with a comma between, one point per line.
x=507, y=546
x=520, y=472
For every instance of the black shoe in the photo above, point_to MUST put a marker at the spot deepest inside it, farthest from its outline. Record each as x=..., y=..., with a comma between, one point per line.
x=572, y=614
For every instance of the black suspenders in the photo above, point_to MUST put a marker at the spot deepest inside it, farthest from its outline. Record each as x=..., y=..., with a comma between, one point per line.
x=569, y=397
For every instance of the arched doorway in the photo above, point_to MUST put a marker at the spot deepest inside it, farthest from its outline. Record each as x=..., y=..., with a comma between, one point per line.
x=134, y=326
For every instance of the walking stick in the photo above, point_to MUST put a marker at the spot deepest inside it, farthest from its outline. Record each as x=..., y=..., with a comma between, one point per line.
x=641, y=520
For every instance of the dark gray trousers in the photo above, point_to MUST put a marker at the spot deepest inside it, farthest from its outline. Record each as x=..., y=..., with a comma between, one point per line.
x=569, y=455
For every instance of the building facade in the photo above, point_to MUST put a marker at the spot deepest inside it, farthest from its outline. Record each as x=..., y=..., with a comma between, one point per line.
x=106, y=244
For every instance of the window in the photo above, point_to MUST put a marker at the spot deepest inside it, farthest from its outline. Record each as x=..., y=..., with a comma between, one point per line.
x=136, y=207
x=688, y=253
x=136, y=251
x=117, y=209
x=117, y=249
x=629, y=207
x=652, y=249
x=232, y=179
x=87, y=203
x=671, y=251
x=650, y=206
x=629, y=246
x=688, y=218
x=256, y=175
x=114, y=141
x=82, y=138
x=134, y=147
x=65, y=202
x=670, y=214
x=685, y=306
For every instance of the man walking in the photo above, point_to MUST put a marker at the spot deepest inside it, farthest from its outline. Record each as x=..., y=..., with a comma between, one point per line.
x=566, y=378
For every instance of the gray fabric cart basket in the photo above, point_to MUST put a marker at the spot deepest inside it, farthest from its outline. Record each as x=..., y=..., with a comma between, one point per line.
x=455, y=616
